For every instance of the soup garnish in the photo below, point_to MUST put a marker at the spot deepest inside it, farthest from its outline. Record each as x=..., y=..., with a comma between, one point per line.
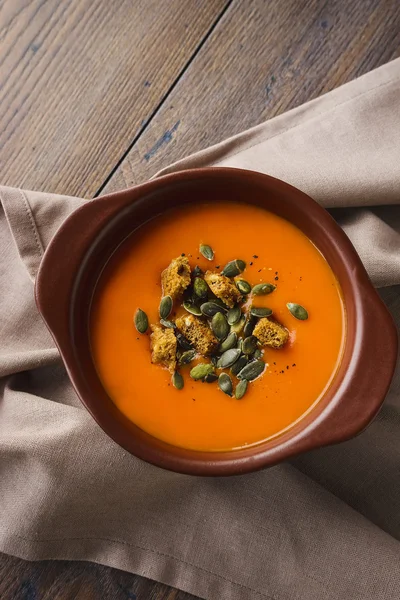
x=217, y=304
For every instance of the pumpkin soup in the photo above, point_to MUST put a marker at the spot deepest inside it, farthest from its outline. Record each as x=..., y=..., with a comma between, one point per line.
x=216, y=326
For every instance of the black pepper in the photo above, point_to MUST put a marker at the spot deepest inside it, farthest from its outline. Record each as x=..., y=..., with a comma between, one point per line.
x=255, y=256
x=250, y=263
x=276, y=278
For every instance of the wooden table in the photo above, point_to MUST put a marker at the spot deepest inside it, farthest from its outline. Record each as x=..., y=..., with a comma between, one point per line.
x=97, y=95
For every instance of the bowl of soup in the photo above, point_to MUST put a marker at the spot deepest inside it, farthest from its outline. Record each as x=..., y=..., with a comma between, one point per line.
x=216, y=321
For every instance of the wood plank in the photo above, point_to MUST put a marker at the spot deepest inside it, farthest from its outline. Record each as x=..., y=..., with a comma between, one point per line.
x=79, y=78
x=263, y=59
x=64, y=580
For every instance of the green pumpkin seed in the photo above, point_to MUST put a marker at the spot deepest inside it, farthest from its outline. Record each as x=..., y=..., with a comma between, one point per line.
x=187, y=357
x=220, y=303
x=260, y=312
x=229, y=343
x=165, y=307
x=243, y=286
x=252, y=370
x=220, y=326
x=211, y=377
x=192, y=308
x=239, y=364
x=238, y=327
x=233, y=268
x=234, y=315
x=209, y=309
x=262, y=289
x=197, y=272
x=225, y=384
x=177, y=380
x=298, y=311
x=258, y=353
x=201, y=371
x=141, y=321
x=207, y=251
x=249, y=326
x=228, y=358
x=168, y=324
x=240, y=344
x=249, y=345
x=200, y=287
x=241, y=389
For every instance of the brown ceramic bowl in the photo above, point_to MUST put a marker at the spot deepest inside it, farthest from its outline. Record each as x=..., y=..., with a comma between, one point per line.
x=82, y=246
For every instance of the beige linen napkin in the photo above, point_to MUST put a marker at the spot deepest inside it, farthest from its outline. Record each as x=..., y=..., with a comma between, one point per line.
x=325, y=526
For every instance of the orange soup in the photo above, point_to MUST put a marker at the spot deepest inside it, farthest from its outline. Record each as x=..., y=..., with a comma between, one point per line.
x=200, y=416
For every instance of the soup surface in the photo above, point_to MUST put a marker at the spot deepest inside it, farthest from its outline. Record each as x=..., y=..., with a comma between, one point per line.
x=201, y=416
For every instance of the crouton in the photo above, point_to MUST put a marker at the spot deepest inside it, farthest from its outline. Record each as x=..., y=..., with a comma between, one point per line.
x=176, y=277
x=163, y=347
x=223, y=288
x=198, y=333
x=271, y=334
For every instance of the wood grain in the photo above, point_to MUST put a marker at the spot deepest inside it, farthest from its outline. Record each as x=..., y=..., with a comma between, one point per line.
x=64, y=580
x=263, y=59
x=80, y=78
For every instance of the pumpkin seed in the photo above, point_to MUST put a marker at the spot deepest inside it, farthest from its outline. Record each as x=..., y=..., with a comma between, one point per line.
x=239, y=364
x=243, y=286
x=192, y=308
x=240, y=344
x=241, y=389
x=238, y=327
x=262, y=289
x=200, y=287
x=201, y=371
x=177, y=380
x=220, y=303
x=229, y=343
x=165, y=307
x=166, y=323
x=211, y=377
x=209, y=309
x=228, y=358
x=252, y=370
x=234, y=315
x=249, y=344
x=220, y=326
x=260, y=312
x=298, y=311
x=207, y=251
x=141, y=321
x=182, y=341
x=187, y=357
x=249, y=326
x=258, y=353
x=233, y=268
x=197, y=272
x=225, y=384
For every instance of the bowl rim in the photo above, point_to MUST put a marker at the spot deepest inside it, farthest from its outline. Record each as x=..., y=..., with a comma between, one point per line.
x=351, y=402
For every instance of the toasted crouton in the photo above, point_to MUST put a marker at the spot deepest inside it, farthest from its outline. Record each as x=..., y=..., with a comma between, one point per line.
x=163, y=347
x=176, y=277
x=198, y=333
x=271, y=334
x=223, y=288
